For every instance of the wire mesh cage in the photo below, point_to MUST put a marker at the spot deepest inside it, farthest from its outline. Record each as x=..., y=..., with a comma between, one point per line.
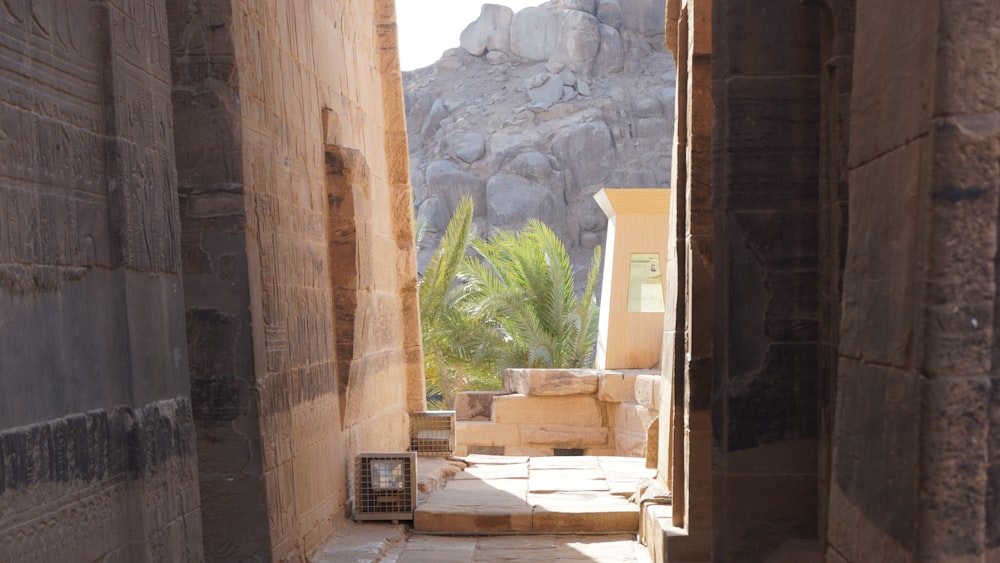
x=432, y=433
x=385, y=486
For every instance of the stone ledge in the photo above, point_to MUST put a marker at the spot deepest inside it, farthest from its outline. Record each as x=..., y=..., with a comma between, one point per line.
x=549, y=382
x=475, y=405
x=616, y=387
x=564, y=436
x=666, y=542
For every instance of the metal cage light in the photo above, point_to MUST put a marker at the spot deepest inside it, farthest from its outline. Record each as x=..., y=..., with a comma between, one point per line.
x=385, y=486
x=432, y=433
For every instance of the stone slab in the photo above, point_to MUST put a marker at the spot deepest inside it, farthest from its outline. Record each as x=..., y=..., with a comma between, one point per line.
x=486, y=434
x=578, y=410
x=472, y=520
x=564, y=462
x=551, y=382
x=495, y=471
x=583, y=511
x=564, y=436
x=538, y=485
x=615, y=387
x=475, y=405
x=480, y=459
x=647, y=390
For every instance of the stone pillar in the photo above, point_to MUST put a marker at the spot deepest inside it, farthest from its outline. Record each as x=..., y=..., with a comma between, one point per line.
x=688, y=338
x=96, y=440
x=914, y=472
x=301, y=288
x=766, y=200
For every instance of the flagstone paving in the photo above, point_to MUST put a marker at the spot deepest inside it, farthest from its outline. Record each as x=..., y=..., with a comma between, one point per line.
x=566, y=494
x=506, y=508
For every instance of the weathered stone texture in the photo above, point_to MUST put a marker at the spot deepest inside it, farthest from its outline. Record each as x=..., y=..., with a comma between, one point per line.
x=96, y=440
x=96, y=483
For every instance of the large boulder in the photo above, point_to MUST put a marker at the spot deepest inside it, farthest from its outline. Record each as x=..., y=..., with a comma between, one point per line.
x=532, y=165
x=508, y=196
x=466, y=146
x=610, y=57
x=534, y=32
x=579, y=39
x=545, y=89
x=447, y=179
x=493, y=19
x=542, y=120
x=609, y=12
x=584, y=150
x=582, y=5
x=646, y=17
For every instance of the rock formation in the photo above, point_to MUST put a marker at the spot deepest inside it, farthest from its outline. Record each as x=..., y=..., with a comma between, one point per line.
x=538, y=110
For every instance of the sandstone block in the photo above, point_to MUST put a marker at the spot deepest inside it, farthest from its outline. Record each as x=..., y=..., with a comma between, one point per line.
x=614, y=387
x=564, y=436
x=583, y=512
x=475, y=405
x=647, y=390
x=629, y=443
x=549, y=382
x=573, y=410
x=532, y=451
x=486, y=434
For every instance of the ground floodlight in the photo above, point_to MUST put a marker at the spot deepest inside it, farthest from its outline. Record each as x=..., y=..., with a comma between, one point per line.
x=432, y=433
x=385, y=486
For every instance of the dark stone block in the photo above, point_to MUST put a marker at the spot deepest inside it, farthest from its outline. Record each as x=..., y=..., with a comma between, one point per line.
x=776, y=403
x=993, y=472
x=700, y=381
x=61, y=450
x=763, y=49
x=875, y=464
x=216, y=399
x=780, y=240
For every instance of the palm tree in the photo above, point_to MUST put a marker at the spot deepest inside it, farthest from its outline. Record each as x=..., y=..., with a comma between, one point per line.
x=510, y=305
x=522, y=285
x=459, y=352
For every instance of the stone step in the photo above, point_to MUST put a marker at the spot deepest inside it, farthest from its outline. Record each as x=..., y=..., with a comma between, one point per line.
x=495, y=494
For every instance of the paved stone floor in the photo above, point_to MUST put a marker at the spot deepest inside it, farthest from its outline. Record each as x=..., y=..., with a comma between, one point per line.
x=377, y=542
x=537, y=509
x=444, y=549
x=585, y=494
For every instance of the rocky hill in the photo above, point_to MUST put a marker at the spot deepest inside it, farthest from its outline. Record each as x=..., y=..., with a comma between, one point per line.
x=538, y=110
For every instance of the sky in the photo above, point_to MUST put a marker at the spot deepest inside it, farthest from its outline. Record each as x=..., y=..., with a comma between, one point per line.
x=428, y=28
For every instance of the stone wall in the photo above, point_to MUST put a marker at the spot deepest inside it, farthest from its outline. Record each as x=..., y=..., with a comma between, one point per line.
x=853, y=181
x=543, y=411
x=96, y=439
x=915, y=452
x=260, y=147
x=299, y=267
